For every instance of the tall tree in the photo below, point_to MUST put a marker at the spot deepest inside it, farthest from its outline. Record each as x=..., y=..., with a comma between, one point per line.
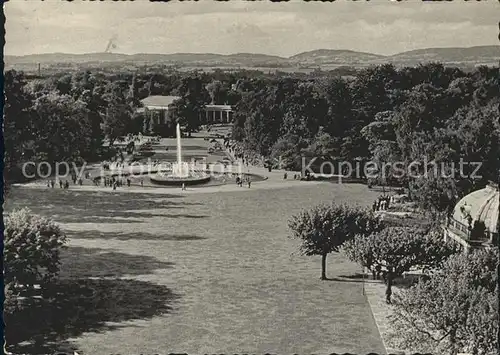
x=62, y=127
x=216, y=92
x=117, y=115
x=338, y=121
x=190, y=107
x=18, y=121
x=117, y=120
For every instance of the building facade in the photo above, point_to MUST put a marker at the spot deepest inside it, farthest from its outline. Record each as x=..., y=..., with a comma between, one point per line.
x=217, y=114
x=156, y=112
x=474, y=221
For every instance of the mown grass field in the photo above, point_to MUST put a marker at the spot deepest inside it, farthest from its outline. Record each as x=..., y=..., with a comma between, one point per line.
x=199, y=273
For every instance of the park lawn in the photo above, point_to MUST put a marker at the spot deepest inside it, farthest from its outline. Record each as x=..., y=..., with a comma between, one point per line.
x=204, y=273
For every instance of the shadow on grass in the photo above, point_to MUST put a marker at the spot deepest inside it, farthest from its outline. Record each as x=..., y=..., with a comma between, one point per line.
x=119, y=217
x=82, y=301
x=94, y=234
x=70, y=206
x=72, y=307
x=340, y=279
x=78, y=262
x=405, y=281
x=94, y=219
x=357, y=277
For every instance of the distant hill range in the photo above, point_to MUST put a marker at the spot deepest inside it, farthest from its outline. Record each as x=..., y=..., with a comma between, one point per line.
x=488, y=55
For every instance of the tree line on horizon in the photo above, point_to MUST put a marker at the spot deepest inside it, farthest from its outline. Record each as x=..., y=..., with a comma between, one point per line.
x=382, y=114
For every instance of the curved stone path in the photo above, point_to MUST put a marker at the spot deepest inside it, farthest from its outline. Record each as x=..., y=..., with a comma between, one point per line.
x=273, y=180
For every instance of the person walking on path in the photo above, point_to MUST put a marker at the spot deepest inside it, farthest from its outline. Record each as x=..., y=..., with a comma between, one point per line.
x=378, y=270
x=388, y=290
x=249, y=182
x=388, y=294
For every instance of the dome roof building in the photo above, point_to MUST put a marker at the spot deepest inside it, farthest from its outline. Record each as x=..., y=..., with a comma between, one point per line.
x=474, y=221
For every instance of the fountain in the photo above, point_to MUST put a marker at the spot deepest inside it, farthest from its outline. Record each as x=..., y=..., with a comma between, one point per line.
x=180, y=169
x=181, y=172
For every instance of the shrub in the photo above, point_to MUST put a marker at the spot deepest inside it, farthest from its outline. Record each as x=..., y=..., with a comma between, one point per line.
x=455, y=310
x=32, y=249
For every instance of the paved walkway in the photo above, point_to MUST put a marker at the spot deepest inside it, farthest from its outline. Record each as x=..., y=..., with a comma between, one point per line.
x=375, y=294
x=273, y=180
x=262, y=185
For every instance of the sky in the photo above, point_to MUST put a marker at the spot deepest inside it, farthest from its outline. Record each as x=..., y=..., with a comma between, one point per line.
x=284, y=29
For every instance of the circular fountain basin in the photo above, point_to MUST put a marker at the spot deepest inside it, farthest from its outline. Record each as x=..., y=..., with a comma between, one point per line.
x=181, y=173
x=161, y=179
x=179, y=181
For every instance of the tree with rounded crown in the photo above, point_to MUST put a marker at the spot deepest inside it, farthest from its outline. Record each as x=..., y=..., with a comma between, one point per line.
x=397, y=250
x=324, y=228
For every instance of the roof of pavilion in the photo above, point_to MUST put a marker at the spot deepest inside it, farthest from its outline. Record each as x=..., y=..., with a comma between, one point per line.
x=218, y=107
x=158, y=101
x=163, y=102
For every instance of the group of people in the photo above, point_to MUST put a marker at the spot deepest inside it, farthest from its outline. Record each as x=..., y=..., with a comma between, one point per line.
x=65, y=184
x=62, y=184
x=381, y=204
x=75, y=180
x=139, y=137
x=240, y=180
x=114, y=182
x=113, y=165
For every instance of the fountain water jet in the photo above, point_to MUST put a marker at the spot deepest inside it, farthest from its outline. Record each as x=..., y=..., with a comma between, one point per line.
x=180, y=169
x=182, y=172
